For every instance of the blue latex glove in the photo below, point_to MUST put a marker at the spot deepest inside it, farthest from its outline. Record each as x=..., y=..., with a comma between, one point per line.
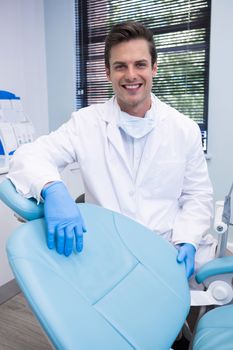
x=186, y=254
x=63, y=219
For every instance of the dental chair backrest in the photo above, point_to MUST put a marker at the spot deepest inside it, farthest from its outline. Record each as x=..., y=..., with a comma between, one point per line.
x=124, y=291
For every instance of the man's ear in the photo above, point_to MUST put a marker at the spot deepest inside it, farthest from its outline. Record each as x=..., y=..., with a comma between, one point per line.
x=107, y=72
x=154, y=69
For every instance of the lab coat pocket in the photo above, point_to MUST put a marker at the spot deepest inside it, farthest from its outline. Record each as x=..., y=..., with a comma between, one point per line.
x=165, y=179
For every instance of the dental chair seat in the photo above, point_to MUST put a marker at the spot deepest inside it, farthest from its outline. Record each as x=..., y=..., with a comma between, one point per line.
x=215, y=330
x=124, y=291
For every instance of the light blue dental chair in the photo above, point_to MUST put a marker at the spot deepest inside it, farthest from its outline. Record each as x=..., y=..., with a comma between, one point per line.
x=124, y=291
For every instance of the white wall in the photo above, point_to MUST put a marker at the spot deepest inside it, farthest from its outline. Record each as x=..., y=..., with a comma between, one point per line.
x=60, y=49
x=22, y=57
x=8, y=223
x=221, y=97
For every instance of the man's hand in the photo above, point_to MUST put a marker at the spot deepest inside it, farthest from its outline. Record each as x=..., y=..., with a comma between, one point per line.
x=186, y=254
x=63, y=219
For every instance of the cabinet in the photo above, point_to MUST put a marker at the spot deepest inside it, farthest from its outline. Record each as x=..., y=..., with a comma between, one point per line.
x=8, y=223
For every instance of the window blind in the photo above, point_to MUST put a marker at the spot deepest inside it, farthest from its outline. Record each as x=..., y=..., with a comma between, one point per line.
x=181, y=32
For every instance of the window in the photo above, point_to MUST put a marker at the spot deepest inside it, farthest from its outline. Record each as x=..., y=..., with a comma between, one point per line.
x=181, y=32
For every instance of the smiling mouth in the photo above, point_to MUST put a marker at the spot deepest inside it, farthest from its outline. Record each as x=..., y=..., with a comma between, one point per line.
x=132, y=87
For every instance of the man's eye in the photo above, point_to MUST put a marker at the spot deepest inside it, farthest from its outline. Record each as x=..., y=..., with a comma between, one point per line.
x=119, y=67
x=141, y=65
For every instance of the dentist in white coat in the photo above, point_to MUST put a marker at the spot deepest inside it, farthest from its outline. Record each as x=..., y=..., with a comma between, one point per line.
x=137, y=156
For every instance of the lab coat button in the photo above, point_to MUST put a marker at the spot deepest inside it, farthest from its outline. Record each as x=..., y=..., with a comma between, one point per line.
x=131, y=193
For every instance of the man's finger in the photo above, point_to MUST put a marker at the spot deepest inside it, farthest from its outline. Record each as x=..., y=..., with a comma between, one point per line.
x=60, y=240
x=50, y=236
x=69, y=240
x=181, y=255
x=189, y=266
x=79, y=238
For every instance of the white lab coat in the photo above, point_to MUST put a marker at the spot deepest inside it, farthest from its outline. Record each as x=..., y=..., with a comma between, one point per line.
x=172, y=193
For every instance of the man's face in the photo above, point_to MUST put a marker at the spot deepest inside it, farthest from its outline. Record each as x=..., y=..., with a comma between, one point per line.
x=131, y=75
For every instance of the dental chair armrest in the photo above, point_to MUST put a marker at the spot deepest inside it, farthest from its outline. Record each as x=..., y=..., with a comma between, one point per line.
x=215, y=267
x=26, y=208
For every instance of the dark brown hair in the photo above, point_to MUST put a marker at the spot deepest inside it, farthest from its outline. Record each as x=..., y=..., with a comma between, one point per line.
x=126, y=31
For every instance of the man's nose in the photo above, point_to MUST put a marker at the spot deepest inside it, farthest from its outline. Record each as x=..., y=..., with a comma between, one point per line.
x=131, y=74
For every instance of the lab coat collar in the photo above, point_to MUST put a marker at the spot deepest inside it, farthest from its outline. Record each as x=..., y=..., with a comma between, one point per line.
x=113, y=110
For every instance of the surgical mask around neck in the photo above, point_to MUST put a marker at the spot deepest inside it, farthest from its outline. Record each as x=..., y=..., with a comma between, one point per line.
x=135, y=126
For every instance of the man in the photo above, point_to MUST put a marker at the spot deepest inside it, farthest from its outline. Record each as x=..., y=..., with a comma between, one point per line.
x=137, y=156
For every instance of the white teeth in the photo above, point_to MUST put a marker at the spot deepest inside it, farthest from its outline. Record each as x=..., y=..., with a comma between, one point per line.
x=132, y=86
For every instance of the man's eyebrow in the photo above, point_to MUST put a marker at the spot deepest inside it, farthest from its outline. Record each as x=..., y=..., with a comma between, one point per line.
x=143, y=60
x=118, y=62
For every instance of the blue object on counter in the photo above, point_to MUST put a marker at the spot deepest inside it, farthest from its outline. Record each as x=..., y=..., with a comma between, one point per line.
x=2, y=151
x=6, y=95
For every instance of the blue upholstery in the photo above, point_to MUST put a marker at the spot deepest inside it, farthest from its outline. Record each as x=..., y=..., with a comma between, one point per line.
x=117, y=294
x=215, y=267
x=25, y=208
x=215, y=330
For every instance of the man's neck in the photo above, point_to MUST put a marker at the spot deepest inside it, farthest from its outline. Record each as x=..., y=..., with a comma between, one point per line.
x=136, y=112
